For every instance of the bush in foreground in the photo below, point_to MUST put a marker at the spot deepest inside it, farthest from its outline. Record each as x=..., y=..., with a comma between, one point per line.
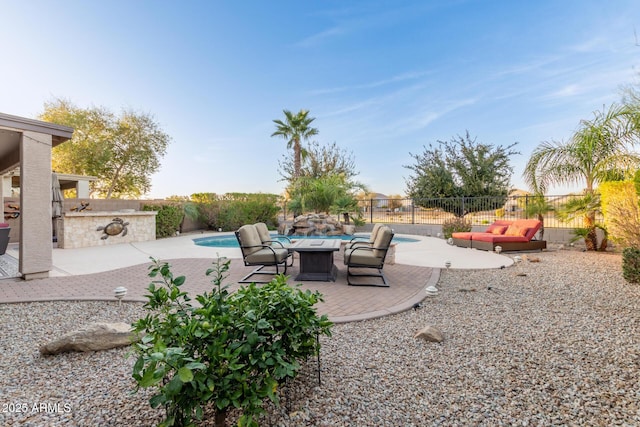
x=631, y=265
x=231, y=351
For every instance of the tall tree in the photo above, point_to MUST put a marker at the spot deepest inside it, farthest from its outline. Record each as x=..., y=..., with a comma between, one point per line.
x=122, y=151
x=326, y=181
x=597, y=152
x=458, y=169
x=320, y=160
x=295, y=128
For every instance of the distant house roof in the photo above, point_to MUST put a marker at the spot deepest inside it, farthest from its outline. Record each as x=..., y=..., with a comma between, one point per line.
x=518, y=192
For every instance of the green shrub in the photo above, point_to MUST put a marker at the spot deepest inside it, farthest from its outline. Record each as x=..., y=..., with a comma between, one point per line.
x=631, y=265
x=358, y=221
x=621, y=212
x=230, y=351
x=455, y=225
x=232, y=210
x=168, y=219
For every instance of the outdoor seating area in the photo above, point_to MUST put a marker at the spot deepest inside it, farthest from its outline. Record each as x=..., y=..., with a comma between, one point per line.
x=509, y=235
x=316, y=256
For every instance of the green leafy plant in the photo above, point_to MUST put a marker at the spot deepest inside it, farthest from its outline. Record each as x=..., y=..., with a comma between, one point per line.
x=168, y=219
x=631, y=264
x=538, y=206
x=455, y=225
x=587, y=207
x=345, y=205
x=232, y=210
x=231, y=351
x=447, y=172
x=358, y=221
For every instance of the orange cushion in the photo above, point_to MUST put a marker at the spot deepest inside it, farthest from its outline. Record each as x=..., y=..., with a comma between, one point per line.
x=514, y=230
x=493, y=227
x=498, y=229
x=497, y=238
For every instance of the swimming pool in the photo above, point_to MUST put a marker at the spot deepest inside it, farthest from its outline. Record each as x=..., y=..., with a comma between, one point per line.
x=230, y=241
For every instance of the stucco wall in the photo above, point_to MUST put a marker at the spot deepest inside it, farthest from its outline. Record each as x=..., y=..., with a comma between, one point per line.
x=35, y=165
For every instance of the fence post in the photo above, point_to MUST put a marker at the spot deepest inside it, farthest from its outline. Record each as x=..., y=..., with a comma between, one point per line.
x=413, y=212
x=371, y=211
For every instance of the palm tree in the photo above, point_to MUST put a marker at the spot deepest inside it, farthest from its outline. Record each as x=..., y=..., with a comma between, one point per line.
x=586, y=207
x=537, y=205
x=295, y=128
x=344, y=205
x=597, y=152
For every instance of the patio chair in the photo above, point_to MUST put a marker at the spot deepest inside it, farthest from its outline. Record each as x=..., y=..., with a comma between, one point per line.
x=365, y=257
x=255, y=253
x=266, y=238
x=360, y=240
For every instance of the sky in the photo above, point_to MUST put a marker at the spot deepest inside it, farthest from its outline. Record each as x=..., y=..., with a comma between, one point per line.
x=383, y=79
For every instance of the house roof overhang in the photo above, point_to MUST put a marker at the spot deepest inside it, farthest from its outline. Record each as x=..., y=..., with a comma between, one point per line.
x=11, y=128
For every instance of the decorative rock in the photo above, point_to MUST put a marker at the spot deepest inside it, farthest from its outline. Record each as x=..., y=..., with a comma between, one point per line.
x=371, y=374
x=430, y=333
x=283, y=228
x=316, y=225
x=96, y=336
x=349, y=229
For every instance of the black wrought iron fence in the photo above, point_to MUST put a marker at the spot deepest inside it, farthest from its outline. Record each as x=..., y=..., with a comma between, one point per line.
x=477, y=210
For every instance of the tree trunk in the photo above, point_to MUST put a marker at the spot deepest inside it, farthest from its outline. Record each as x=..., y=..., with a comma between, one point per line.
x=221, y=418
x=604, y=244
x=591, y=239
x=346, y=217
x=297, y=159
x=113, y=181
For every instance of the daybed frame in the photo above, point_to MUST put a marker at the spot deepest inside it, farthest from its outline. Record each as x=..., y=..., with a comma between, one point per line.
x=532, y=245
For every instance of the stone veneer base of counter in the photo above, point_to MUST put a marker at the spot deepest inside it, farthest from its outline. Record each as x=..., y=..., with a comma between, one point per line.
x=80, y=229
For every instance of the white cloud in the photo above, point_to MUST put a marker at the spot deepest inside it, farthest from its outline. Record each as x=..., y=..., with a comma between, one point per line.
x=407, y=76
x=320, y=37
x=566, y=91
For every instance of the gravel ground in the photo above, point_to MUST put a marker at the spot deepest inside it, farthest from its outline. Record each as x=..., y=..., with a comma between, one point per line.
x=555, y=341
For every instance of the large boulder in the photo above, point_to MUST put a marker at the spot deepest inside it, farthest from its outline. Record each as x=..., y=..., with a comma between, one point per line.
x=316, y=225
x=430, y=333
x=94, y=337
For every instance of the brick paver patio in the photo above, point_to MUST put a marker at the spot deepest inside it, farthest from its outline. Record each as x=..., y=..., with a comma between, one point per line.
x=343, y=303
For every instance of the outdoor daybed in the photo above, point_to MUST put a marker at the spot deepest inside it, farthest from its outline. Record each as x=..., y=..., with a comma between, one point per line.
x=511, y=235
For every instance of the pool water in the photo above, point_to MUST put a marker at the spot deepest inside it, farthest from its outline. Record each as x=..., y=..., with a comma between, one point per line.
x=230, y=241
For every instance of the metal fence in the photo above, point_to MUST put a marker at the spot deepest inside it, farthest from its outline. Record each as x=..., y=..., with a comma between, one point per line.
x=477, y=210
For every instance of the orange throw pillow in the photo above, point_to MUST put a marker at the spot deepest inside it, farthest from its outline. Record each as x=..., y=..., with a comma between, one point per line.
x=498, y=229
x=514, y=230
x=494, y=227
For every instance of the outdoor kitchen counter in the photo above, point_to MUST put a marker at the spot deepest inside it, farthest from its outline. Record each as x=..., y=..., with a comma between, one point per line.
x=88, y=228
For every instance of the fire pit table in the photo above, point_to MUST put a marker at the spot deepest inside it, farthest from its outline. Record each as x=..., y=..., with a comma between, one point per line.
x=316, y=259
